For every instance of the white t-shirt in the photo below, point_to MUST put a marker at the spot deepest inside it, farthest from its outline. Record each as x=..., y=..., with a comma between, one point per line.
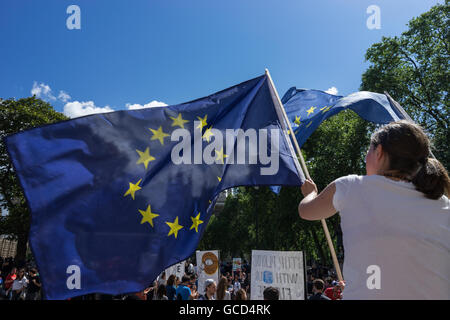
x=391, y=225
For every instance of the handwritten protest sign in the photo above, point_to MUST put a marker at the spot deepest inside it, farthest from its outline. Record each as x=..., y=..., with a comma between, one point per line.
x=176, y=269
x=283, y=270
x=207, y=267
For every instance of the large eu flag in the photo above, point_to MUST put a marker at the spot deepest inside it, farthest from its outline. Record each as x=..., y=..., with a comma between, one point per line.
x=118, y=197
x=307, y=109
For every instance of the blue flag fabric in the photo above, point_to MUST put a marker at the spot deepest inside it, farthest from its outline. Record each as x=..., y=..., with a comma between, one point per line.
x=307, y=109
x=118, y=197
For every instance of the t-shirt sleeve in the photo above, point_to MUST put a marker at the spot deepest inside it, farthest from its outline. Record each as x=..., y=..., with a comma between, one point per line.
x=343, y=185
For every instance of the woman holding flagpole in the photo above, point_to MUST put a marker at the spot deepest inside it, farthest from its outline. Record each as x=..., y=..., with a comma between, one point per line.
x=395, y=220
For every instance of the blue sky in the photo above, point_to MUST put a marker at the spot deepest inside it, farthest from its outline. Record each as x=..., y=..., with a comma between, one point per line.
x=135, y=52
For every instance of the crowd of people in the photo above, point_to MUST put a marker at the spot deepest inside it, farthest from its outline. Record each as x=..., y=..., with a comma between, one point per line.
x=21, y=281
x=232, y=285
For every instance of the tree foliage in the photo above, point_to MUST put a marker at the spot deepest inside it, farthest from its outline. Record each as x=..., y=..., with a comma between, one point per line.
x=414, y=69
x=15, y=116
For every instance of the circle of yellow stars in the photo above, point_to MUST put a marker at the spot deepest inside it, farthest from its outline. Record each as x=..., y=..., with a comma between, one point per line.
x=145, y=158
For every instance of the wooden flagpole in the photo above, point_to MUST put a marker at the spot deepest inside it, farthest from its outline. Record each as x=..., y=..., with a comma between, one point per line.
x=305, y=170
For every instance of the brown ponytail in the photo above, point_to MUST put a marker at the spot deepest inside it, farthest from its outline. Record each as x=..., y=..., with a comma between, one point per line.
x=407, y=147
x=432, y=179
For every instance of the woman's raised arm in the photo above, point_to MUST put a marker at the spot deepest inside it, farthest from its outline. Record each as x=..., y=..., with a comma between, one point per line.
x=316, y=206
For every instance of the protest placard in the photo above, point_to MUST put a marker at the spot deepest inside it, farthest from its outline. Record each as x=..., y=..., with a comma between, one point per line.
x=176, y=269
x=207, y=267
x=237, y=262
x=283, y=270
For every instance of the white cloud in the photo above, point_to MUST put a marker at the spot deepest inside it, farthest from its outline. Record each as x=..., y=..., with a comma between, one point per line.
x=332, y=90
x=42, y=91
x=76, y=109
x=63, y=96
x=151, y=104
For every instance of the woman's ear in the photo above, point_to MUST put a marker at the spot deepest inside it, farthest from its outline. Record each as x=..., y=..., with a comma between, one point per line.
x=379, y=152
x=382, y=157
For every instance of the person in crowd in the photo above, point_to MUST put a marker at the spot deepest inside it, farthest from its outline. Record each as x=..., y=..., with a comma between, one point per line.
x=2, y=290
x=222, y=292
x=171, y=289
x=271, y=293
x=190, y=268
x=177, y=282
x=236, y=284
x=19, y=286
x=161, y=293
x=318, y=287
x=162, y=279
x=192, y=281
x=183, y=291
x=34, y=285
x=309, y=283
x=195, y=294
x=150, y=291
x=241, y=278
x=400, y=209
x=334, y=292
x=328, y=282
x=9, y=282
x=247, y=283
x=241, y=295
x=230, y=282
x=210, y=290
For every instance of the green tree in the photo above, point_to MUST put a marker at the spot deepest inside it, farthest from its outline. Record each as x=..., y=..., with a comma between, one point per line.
x=414, y=69
x=15, y=116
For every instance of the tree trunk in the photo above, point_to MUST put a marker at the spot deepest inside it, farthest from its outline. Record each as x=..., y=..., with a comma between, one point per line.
x=339, y=239
x=21, y=248
x=323, y=258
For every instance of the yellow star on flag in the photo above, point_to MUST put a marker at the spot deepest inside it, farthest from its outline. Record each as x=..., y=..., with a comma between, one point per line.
x=309, y=124
x=297, y=120
x=208, y=134
x=196, y=222
x=219, y=178
x=159, y=135
x=133, y=188
x=178, y=121
x=325, y=109
x=310, y=110
x=148, y=216
x=220, y=155
x=202, y=123
x=174, y=227
x=144, y=157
